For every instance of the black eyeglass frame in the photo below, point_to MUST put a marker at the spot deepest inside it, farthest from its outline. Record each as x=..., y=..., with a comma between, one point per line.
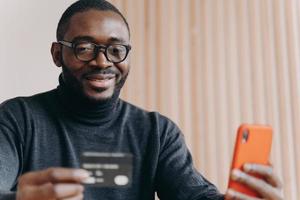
x=97, y=49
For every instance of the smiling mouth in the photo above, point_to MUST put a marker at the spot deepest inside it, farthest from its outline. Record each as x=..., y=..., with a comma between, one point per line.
x=100, y=77
x=101, y=80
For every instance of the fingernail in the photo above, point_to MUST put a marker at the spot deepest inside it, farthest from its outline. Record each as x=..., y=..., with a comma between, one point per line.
x=81, y=173
x=230, y=192
x=89, y=180
x=80, y=188
x=235, y=174
x=247, y=167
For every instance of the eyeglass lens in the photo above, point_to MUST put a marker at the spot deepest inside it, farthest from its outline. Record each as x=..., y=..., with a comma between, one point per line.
x=87, y=52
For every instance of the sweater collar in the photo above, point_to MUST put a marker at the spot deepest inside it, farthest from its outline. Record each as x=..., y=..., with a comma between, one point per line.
x=84, y=110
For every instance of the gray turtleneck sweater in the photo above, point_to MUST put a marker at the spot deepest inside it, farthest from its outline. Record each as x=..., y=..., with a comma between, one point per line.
x=53, y=128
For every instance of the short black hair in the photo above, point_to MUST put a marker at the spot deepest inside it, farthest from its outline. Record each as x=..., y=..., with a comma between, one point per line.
x=81, y=6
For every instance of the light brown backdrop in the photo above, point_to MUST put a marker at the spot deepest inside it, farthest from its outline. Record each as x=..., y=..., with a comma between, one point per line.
x=212, y=64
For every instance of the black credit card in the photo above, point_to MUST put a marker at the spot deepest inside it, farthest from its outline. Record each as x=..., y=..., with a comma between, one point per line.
x=107, y=169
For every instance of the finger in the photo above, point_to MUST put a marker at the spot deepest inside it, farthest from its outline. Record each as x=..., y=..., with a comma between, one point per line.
x=53, y=175
x=36, y=193
x=259, y=185
x=51, y=191
x=266, y=171
x=62, y=191
x=234, y=195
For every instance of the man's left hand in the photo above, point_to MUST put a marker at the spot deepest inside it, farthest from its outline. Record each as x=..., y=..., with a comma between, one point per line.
x=270, y=187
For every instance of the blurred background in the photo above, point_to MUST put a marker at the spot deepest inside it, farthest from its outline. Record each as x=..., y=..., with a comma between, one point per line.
x=209, y=65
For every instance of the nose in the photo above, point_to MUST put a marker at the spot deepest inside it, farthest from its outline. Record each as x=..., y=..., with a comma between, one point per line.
x=100, y=60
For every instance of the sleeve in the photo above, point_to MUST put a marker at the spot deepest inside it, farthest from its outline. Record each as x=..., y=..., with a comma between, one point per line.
x=176, y=176
x=10, y=153
x=4, y=195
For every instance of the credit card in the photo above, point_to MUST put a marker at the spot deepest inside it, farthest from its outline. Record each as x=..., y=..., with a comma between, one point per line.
x=107, y=169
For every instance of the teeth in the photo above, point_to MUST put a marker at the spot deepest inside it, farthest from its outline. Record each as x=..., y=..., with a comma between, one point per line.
x=104, y=79
x=99, y=79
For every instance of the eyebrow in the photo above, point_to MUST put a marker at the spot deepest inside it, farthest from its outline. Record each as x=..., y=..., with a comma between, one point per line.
x=89, y=38
x=115, y=39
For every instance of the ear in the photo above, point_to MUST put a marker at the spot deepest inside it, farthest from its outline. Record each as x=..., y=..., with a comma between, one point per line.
x=56, y=53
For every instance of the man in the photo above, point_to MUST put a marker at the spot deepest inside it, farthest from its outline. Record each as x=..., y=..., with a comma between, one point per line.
x=43, y=136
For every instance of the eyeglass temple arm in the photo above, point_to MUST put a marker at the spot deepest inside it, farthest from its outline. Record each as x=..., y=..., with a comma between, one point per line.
x=68, y=44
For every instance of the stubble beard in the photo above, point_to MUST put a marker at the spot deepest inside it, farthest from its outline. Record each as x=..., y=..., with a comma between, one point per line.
x=76, y=87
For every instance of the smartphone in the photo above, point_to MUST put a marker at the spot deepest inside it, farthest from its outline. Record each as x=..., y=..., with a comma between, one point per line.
x=253, y=145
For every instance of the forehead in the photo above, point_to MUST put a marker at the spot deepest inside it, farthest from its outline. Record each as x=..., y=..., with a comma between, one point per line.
x=99, y=25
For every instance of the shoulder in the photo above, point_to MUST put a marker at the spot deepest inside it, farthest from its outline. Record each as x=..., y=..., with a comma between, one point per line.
x=17, y=114
x=23, y=103
x=148, y=119
x=136, y=112
x=19, y=111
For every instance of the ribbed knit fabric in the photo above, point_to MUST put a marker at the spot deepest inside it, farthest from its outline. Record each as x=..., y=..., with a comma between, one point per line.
x=52, y=129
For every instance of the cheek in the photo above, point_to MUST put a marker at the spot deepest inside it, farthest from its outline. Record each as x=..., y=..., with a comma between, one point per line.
x=123, y=67
x=73, y=65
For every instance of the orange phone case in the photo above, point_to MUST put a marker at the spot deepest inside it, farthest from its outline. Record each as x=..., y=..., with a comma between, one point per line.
x=253, y=145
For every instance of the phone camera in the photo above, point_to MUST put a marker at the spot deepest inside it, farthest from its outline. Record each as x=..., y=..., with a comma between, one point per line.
x=245, y=136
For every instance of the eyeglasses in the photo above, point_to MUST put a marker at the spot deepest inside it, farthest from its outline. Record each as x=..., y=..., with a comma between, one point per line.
x=87, y=51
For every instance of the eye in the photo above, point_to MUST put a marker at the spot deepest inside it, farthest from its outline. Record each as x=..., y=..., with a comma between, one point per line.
x=117, y=50
x=82, y=48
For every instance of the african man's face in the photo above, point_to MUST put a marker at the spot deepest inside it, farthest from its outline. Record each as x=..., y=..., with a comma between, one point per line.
x=99, y=78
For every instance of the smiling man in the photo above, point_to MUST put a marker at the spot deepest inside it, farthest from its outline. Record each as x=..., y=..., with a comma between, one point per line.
x=43, y=136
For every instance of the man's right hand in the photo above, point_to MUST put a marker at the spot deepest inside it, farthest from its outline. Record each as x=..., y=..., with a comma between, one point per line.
x=52, y=184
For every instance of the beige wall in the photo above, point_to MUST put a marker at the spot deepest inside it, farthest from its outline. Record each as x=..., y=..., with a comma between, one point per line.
x=207, y=64
x=27, y=29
